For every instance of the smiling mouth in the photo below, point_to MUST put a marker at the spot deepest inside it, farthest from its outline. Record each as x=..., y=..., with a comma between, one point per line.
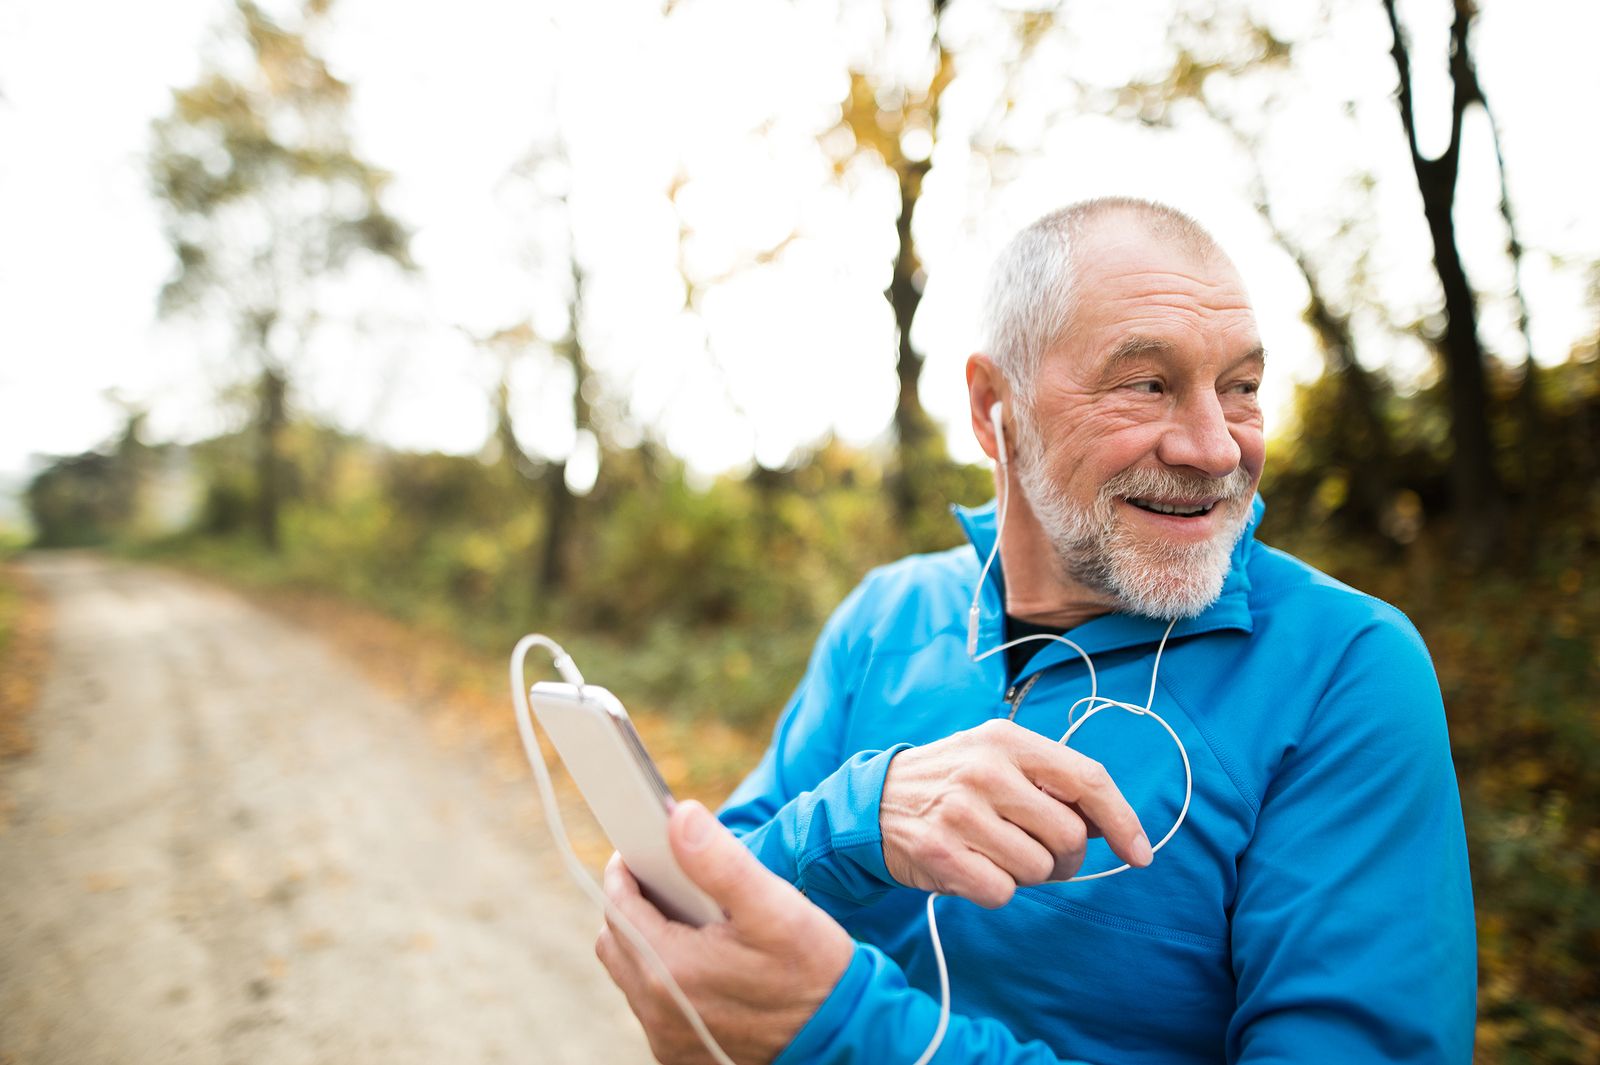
x=1176, y=510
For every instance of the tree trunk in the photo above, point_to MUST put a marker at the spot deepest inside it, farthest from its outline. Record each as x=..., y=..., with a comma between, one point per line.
x=1474, y=483
x=912, y=427
x=560, y=504
x=546, y=484
x=1475, y=486
x=271, y=418
x=1530, y=417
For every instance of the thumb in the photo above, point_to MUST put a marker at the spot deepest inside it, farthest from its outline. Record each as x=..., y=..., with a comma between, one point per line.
x=722, y=867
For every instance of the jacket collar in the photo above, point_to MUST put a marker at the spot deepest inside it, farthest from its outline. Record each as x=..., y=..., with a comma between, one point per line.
x=1115, y=631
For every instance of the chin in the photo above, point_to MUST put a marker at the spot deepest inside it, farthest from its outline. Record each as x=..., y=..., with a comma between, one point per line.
x=1111, y=547
x=1168, y=580
x=1165, y=595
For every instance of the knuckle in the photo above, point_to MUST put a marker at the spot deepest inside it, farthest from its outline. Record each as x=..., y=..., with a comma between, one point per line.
x=995, y=735
x=969, y=773
x=995, y=895
x=1067, y=866
x=935, y=853
x=993, y=770
x=788, y=926
x=1041, y=866
x=957, y=812
x=1075, y=844
x=1074, y=834
x=1094, y=775
x=992, y=728
x=984, y=773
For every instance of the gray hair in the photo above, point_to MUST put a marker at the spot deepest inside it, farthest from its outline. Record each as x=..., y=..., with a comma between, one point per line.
x=1032, y=296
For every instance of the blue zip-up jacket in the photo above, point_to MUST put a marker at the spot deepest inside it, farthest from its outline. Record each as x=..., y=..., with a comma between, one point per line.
x=1315, y=905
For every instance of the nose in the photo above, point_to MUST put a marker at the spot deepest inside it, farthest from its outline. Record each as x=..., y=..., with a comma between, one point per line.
x=1198, y=437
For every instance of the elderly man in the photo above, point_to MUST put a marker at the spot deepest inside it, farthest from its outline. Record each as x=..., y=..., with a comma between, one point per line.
x=1314, y=903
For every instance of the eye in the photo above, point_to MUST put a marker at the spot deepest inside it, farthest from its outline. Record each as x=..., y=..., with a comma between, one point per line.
x=1149, y=388
x=1246, y=388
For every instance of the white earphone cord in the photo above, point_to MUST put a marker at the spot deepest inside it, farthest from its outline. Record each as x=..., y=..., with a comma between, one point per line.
x=535, y=753
x=569, y=673
x=1095, y=701
x=547, y=796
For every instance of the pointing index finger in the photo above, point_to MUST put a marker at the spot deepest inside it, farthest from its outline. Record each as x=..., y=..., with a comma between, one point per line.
x=1071, y=777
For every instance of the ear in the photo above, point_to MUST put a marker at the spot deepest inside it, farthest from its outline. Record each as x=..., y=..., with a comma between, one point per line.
x=986, y=386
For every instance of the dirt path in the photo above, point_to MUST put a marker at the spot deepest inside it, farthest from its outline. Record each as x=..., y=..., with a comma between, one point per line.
x=228, y=847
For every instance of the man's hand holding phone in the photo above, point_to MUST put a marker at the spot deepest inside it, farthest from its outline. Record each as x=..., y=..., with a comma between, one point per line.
x=755, y=978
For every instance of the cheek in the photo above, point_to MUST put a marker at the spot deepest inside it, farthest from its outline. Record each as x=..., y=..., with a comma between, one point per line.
x=1107, y=435
x=1084, y=466
x=1131, y=443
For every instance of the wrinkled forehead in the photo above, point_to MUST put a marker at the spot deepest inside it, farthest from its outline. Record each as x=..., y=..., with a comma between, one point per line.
x=1132, y=281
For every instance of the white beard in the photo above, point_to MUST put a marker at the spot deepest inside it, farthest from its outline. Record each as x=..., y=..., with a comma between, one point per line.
x=1098, y=550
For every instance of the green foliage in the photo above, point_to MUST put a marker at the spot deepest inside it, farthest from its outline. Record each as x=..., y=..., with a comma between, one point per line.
x=703, y=601
x=78, y=500
x=1333, y=475
x=1522, y=692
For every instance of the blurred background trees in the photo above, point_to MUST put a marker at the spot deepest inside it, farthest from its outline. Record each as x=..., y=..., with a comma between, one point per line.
x=1427, y=457
x=266, y=202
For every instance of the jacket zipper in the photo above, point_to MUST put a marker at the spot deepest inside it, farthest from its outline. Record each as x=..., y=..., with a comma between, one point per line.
x=1015, y=694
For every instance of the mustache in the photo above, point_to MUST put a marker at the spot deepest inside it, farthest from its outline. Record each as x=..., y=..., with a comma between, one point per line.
x=1155, y=483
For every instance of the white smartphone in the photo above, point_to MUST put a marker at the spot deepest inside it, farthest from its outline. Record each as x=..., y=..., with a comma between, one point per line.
x=623, y=788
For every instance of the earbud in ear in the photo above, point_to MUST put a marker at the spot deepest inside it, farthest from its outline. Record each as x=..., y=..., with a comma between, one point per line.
x=998, y=423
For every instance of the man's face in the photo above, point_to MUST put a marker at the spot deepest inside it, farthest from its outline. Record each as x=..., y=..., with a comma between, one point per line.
x=1141, y=444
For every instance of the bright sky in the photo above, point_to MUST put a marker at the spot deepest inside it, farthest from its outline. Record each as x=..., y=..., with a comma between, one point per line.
x=783, y=353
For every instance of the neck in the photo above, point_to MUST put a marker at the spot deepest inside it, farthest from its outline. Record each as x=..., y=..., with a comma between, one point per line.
x=1038, y=587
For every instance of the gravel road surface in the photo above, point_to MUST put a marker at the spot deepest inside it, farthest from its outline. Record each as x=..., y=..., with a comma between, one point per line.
x=228, y=847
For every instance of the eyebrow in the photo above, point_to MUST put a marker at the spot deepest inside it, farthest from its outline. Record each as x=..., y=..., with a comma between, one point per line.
x=1137, y=347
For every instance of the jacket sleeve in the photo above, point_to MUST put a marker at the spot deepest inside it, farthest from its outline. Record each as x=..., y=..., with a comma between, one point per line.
x=1353, y=931
x=809, y=810
x=873, y=1016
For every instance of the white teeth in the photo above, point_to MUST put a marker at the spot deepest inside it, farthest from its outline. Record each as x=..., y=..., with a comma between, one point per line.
x=1169, y=508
